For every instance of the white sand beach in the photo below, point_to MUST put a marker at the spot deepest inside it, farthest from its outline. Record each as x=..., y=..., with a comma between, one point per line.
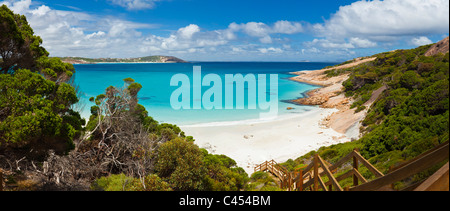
x=291, y=136
x=250, y=144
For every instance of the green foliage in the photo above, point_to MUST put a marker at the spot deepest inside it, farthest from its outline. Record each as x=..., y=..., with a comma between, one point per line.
x=180, y=163
x=120, y=182
x=36, y=112
x=223, y=174
x=19, y=47
x=410, y=117
x=188, y=168
x=35, y=100
x=262, y=181
x=411, y=80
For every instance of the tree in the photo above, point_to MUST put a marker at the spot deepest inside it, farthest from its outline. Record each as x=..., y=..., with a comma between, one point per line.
x=116, y=129
x=19, y=48
x=35, y=98
x=35, y=113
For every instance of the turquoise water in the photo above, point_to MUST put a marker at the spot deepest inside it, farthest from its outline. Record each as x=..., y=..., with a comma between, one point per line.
x=93, y=79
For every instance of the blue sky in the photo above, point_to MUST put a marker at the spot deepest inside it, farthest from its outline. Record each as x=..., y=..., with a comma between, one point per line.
x=232, y=30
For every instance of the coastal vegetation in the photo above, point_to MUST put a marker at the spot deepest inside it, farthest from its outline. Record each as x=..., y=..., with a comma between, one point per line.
x=46, y=145
x=410, y=117
x=36, y=96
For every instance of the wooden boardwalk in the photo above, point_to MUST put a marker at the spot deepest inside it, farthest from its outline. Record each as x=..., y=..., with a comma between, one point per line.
x=310, y=177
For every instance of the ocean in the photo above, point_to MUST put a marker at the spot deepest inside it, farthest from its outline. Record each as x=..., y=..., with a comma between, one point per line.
x=156, y=93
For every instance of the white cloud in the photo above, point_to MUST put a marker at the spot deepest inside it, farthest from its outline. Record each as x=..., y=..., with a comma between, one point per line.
x=387, y=18
x=323, y=43
x=369, y=24
x=270, y=50
x=256, y=29
x=75, y=33
x=95, y=35
x=17, y=7
x=263, y=31
x=286, y=27
x=135, y=4
x=188, y=31
x=419, y=41
x=363, y=24
x=362, y=43
x=42, y=10
x=267, y=39
x=69, y=33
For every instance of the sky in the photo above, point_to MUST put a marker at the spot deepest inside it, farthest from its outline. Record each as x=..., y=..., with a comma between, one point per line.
x=234, y=30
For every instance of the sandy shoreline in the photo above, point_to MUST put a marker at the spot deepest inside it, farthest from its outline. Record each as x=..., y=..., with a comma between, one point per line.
x=250, y=144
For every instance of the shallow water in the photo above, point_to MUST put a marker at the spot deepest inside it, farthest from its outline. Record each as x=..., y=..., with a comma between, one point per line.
x=155, y=95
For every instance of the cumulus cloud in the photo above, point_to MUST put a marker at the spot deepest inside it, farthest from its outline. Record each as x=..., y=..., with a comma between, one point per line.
x=74, y=33
x=361, y=25
x=419, y=41
x=287, y=27
x=388, y=18
x=362, y=43
x=263, y=31
x=188, y=31
x=323, y=43
x=70, y=33
x=189, y=39
x=369, y=24
x=270, y=50
x=17, y=7
x=135, y=4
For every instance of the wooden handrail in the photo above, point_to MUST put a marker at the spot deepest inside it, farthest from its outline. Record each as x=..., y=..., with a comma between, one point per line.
x=412, y=168
x=418, y=157
x=329, y=174
x=437, y=182
x=367, y=164
x=311, y=175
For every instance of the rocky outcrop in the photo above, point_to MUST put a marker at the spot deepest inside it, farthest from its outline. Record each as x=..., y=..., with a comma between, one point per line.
x=171, y=59
x=331, y=95
x=440, y=47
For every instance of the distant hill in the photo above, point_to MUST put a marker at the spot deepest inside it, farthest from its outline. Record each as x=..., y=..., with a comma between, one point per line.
x=147, y=59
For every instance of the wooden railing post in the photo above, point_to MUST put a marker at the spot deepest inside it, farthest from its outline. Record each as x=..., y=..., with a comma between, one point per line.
x=355, y=166
x=290, y=181
x=1, y=180
x=316, y=172
x=300, y=182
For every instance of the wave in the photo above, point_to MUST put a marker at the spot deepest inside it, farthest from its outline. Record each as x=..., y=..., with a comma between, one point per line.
x=280, y=117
